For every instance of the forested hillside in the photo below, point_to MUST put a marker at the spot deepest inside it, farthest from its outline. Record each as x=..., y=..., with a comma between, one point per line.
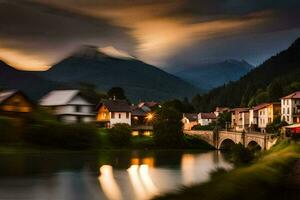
x=276, y=77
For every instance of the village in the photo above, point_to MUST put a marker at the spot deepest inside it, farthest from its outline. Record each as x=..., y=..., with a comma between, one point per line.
x=70, y=107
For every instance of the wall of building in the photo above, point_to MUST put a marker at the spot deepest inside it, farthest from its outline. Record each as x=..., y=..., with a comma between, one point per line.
x=119, y=117
x=16, y=103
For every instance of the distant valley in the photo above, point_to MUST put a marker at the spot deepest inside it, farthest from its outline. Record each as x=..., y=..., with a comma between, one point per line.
x=211, y=75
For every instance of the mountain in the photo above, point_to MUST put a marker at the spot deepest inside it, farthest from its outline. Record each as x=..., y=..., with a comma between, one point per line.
x=33, y=85
x=211, y=75
x=276, y=77
x=106, y=69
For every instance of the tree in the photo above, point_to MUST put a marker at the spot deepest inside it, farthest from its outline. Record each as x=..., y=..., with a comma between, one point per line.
x=224, y=119
x=275, y=91
x=117, y=93
x=90, y=92
x=120, y=135
x=167, y=128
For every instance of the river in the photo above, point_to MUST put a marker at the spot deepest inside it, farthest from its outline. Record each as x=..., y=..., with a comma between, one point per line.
x=111, y=175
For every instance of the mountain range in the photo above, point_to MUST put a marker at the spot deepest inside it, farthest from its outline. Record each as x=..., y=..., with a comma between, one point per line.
x=104, y=69
x=276, y=77
x=211, y=75
x=34, y=85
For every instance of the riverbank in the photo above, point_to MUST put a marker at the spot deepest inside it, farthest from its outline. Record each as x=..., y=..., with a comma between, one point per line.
x=266, y=178
x=137, y=143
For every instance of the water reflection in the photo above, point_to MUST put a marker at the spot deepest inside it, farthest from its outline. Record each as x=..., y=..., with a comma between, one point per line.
x=108, y=183
x=112, y=175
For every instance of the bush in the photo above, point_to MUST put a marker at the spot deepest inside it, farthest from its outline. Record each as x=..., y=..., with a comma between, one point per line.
x=120, y=135
x=56, y=134
x=167, y=128
x=241, y=155
x=8, y=130
x=209, y=127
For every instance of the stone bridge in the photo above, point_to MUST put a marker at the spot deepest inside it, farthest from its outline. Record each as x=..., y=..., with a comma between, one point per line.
x=223, y=139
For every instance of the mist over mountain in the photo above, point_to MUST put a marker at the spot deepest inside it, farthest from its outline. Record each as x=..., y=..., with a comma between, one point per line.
x=110, y=68
x=211, y=75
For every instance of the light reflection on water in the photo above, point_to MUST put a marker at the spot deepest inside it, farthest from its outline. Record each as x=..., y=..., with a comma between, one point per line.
x=120, y=176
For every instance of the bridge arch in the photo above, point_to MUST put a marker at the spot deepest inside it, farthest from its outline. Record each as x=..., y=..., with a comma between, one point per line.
x=226, y=144
x=254, y=145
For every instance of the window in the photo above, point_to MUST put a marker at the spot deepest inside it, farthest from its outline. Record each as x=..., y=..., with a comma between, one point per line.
x=287, y=118
x=288, y=111
x=127, y=115
x=283, y=110
x=119, y=115
x=112, y=115
x=77, y=108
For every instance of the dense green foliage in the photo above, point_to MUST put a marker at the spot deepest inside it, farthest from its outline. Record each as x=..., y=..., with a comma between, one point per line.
x=116, y=92
x=264, y=179
x=241, y=155
x=41, y=128
x=209, y=127
x=8, y=130
x=120, y=135
x=276, y=125
x=168, y=128
x=275, y=78
x=56, y=134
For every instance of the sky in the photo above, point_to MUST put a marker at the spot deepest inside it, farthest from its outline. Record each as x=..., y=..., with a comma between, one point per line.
x=171, y=34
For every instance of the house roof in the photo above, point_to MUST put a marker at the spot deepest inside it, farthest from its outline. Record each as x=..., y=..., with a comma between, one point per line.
x=116, y=105
x=191, y=116
x=263, y=105
x=137, y=111
x=295, y=95
x=208, y=116
x=4, y=95
x=59, y=97
x=239, y=110
x=149, y=104
x=222, y=109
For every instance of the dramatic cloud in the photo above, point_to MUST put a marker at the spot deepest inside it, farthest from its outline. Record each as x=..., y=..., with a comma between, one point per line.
x=163, y=32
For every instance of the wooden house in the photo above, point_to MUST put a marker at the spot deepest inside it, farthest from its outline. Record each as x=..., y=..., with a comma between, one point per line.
x=14, y=103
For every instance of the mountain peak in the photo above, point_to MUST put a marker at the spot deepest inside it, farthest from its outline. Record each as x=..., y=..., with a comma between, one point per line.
x=116, y=53
x=90, y=51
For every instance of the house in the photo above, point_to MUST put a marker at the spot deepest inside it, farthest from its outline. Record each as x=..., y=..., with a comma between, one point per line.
x=14, y=103
x=240, y=119
x=205, y=119
x=253, y=116
x=221, y=110
x=141, y=121
x=112, y=111
x=69, y=106
x=267, y=113
x=189, y=120
x=290, y=108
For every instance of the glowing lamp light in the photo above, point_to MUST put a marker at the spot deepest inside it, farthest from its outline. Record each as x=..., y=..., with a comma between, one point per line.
x=150, y=116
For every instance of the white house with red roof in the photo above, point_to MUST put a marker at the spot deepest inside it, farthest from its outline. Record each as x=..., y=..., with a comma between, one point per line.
x=290, y=108
x=205, y=119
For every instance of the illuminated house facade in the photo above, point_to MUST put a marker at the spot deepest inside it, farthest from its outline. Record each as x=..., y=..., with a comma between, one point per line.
x=267, y=113
x=13, y=103
x=205, y=119
x=111, y=112
x=69, y=106
x=189, y=120
x=290, y=108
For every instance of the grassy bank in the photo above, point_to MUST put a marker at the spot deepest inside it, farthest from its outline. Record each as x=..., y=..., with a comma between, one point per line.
x=264, y=179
